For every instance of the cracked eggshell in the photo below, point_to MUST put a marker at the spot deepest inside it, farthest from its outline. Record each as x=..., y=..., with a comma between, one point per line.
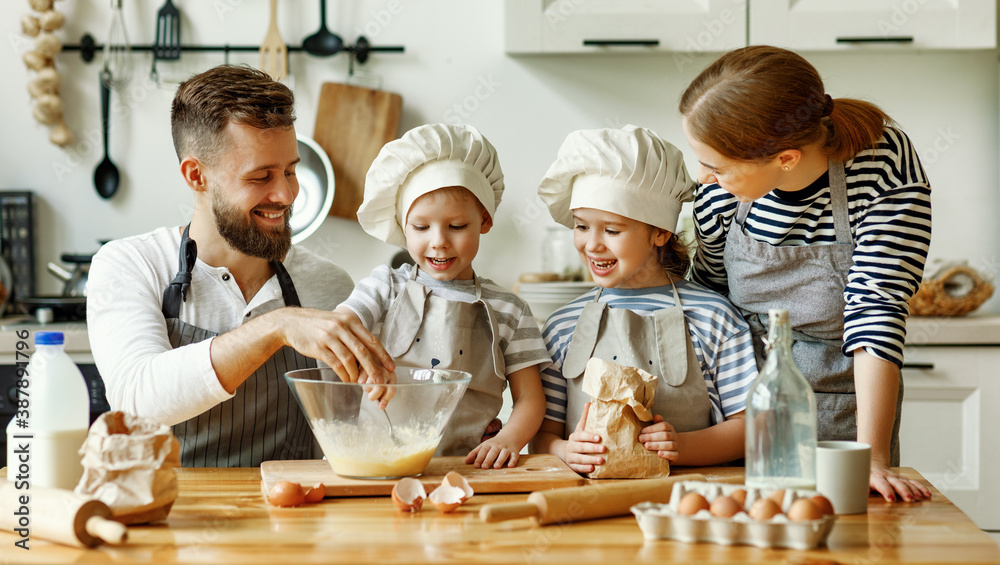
x=315, y=493
x=408, y=495
x=447, y=498
x=455, y=479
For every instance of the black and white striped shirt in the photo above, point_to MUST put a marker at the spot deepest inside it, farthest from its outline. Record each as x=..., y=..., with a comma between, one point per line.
x=890, y=214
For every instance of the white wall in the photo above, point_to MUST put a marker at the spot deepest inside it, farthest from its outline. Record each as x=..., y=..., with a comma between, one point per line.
x=946, y=101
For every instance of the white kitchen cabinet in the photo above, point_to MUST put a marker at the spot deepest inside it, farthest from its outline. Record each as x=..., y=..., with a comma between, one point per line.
x=852, y=24
x=950, y=429
x=596, y=26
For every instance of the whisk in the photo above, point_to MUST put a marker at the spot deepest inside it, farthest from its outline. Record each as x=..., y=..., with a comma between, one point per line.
x=117, y=51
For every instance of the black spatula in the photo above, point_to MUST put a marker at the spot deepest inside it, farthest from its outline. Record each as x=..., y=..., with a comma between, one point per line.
x=168, y=33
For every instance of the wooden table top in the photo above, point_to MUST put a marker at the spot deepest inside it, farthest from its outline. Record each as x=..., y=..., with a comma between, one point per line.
x=220, y=516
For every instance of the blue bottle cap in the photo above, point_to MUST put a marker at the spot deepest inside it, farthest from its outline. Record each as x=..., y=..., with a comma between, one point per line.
x=49, y=338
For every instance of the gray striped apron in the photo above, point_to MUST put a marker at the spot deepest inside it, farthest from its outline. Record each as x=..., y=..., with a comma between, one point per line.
x=262, y=421
x=426, y=331
x=809, y=282
x=659, y=344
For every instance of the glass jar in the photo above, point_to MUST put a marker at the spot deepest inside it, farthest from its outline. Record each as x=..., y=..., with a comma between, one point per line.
x=780, y=417
x=559, y=255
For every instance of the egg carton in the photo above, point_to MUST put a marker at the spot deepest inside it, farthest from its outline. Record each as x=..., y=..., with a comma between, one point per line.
x=661, y=521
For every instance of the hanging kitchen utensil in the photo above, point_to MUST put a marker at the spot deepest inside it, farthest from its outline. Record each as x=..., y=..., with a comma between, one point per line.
x=323, y=43
x=117, y=52
x=168, y=37
x=106, y=177
x=273, y=51
x=352, y=125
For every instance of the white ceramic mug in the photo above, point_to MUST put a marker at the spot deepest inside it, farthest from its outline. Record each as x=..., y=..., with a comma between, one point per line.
x=842, y=469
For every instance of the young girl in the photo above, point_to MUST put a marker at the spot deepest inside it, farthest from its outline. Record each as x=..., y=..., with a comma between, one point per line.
x=621, y=191
x=435, y=190
x=818, y=206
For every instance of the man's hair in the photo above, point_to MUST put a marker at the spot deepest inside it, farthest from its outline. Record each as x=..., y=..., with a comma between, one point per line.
x=206, y=103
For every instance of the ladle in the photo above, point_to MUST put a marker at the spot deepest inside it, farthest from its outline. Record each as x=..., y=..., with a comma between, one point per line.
x=106, y=175
x=323, y=43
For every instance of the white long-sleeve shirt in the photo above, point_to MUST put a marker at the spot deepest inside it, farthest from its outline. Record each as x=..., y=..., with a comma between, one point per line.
x=142, y=373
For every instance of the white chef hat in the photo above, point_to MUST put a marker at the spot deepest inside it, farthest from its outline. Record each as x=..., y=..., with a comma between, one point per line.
x=425, y=159
x=628, y=171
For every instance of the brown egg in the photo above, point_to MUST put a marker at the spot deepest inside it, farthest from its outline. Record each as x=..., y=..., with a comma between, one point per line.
x=724, y=507
x=285, y=493
x=764, y=509
x=740, y=496
x=803, y=510
x=824, y=504
x=778, y=496
x=408, y=495
x=316, y=493
x=691, y=503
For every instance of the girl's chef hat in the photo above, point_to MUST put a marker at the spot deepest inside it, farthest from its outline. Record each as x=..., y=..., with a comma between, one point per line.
x=425, y=159
x=629, y=171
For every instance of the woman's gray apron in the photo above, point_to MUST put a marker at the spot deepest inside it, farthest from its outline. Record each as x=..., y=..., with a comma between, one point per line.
x=809, y=282
x=262, y=421
x=426, y=331
x=659, y=344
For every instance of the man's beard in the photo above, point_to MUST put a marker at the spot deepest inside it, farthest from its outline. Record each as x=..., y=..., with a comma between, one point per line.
x=242, y=233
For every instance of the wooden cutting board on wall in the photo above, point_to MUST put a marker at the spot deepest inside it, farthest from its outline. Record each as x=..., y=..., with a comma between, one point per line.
x=352, y=125
x=533, y=472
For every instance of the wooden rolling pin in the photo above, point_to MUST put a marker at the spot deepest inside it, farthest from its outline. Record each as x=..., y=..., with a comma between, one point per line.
x=573, y=504
x=58, y=515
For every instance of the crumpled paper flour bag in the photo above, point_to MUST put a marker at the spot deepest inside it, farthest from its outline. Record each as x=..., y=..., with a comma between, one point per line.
x=128, y=464
x=622, y=397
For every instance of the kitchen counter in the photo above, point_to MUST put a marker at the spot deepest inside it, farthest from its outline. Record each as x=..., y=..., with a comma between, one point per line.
x=221, y=517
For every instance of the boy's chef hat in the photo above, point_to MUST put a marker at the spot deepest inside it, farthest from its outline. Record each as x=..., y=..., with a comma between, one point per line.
x=628, y=171
x=425, y=159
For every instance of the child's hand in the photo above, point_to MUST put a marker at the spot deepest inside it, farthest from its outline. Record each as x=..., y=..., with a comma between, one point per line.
x=376, y=390
x=661, y=438
x=581, y=445
x=493, y=453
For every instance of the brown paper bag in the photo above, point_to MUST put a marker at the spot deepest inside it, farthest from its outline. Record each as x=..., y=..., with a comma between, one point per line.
x=622, y=397
x=128, y=464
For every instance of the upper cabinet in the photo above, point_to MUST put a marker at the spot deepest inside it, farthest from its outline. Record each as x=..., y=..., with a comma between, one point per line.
x=601, y=26
x=695, y=26
x=812, y=25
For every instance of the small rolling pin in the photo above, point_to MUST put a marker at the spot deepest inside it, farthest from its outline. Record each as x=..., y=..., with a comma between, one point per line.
x=59, y=515
x=573, y=504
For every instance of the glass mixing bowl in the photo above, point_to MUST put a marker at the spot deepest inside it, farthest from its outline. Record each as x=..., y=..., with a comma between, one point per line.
x=355, y=435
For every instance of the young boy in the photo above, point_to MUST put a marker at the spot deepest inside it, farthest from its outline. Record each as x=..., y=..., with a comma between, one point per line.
x=435, y=191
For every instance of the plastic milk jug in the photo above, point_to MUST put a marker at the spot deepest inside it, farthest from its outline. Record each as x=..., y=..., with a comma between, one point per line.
x=43, y=441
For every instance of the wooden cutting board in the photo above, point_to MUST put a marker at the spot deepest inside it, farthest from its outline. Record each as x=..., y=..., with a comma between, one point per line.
x=533, y=472
x=352, y=125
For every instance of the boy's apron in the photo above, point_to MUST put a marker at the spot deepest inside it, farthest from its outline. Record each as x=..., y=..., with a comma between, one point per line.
x=262, y=421
x=659, y=344
x=809, y=282
x=429, y=332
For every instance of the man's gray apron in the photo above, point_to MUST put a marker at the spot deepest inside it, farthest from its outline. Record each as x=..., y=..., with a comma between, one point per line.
x=659, y=344
x=429, y=332
x=262, y=421
x=809, y=282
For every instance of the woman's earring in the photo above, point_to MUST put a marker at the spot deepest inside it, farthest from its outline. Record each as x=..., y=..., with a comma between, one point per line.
x=786, y=168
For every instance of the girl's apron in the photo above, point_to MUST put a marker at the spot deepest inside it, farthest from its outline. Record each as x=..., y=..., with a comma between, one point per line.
x=429, y=332
x=262, y=421
x=659, y=344
x=809, y=282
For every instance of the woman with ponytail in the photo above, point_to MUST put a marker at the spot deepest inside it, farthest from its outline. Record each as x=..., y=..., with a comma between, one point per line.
x=818, y=206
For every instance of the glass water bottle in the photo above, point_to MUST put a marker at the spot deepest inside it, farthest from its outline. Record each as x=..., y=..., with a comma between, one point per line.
x=780, y=417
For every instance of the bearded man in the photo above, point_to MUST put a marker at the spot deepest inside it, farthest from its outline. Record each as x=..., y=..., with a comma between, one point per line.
x=194, y=326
